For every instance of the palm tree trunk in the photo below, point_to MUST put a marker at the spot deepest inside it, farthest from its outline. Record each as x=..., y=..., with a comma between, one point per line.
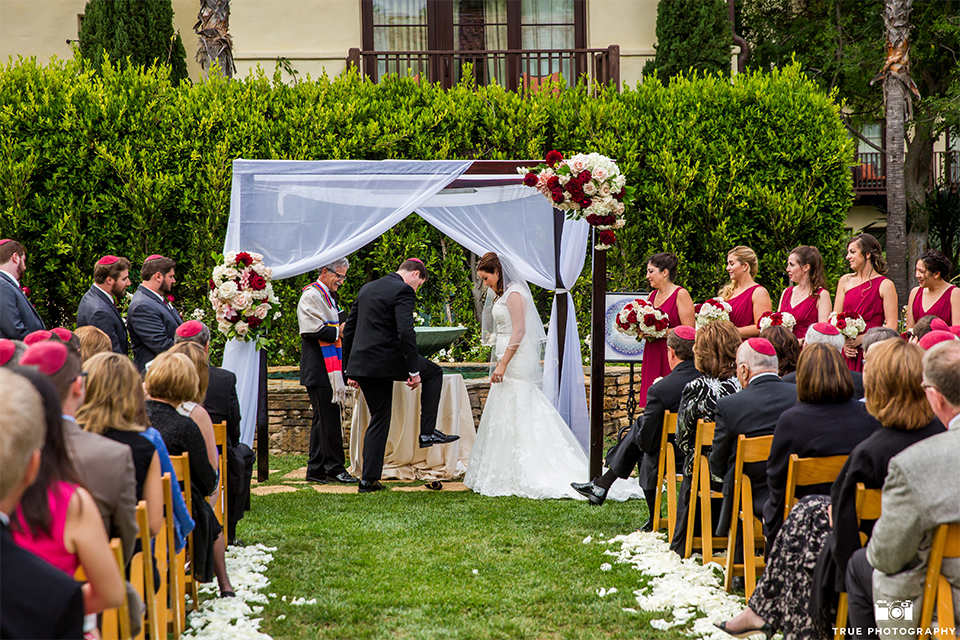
x=216, y=45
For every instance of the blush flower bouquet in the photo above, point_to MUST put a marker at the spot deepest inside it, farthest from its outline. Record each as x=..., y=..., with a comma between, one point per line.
x=850, y=325
x=243, y=298
x=776, y=319
x=712, y=309
x=586, y=186
x=642, y=320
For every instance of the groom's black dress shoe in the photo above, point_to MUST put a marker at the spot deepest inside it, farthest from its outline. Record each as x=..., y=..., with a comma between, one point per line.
x=647, y=526
x=343, y=478
x=320, y=480
x=596, y=495
x=437, y=437
x=370, y=487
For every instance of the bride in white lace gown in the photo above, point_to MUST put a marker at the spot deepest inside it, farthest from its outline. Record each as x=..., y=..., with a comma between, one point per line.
x=523, y=446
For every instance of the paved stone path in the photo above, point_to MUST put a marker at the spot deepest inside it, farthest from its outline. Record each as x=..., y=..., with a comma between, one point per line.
x=296, y=480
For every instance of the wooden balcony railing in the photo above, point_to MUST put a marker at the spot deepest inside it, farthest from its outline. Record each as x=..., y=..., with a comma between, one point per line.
x=870, y=173
x=515, y=69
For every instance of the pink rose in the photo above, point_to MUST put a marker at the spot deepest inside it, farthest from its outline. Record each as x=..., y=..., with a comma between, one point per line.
x=599, y=174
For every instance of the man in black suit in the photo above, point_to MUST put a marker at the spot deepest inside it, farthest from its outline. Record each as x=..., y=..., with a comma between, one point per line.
x=18, y=317
x=380, y=346
x=753, y=411
x=828, y=334
x=643, y=438
x=37, y=600
x=223, y=405
x=98, y=307
x=151, y=318
x=320, y=321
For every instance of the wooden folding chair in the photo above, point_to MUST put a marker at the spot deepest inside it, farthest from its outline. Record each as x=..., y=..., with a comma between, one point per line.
x=700, y=491
x=749, y=450
x=868, y=508
x=175, y=591
x=181, y=467
x=114, y=623
x=141, y=574
x=220, y=508
x=667, y=468
x=803, y=472
x=936, y=589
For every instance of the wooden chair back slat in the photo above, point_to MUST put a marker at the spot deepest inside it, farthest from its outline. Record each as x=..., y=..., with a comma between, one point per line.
x=809, y=471
x=181, y=467
x=700, y=491
x=666, y=468
x=868, y=508
x=749, y=450
x=937, y=591
x=152, y=625
x=220, y=507
x=174, y=585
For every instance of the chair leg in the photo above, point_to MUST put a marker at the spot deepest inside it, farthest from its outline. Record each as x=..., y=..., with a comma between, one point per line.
x=841, y=622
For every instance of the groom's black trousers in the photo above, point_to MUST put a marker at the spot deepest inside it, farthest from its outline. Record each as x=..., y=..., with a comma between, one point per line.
x=378, y=394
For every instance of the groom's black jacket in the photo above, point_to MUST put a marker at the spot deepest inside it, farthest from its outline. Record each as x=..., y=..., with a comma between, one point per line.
x=378, y=339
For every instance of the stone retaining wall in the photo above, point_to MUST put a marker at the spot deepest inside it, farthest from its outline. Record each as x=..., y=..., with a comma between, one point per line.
x=289, y=412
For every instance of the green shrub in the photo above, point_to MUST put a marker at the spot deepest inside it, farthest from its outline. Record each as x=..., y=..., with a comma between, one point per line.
x=124, y=162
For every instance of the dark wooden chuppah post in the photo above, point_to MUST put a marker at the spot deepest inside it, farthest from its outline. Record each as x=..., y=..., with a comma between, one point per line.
x=597, y=361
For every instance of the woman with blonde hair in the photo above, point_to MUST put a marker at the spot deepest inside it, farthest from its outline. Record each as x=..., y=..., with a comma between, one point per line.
x=748, y=298
x=193, y=408
x=92, y=341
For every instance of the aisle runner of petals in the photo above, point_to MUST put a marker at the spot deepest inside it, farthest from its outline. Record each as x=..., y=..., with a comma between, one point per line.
x=232, y=618
x=692, y=593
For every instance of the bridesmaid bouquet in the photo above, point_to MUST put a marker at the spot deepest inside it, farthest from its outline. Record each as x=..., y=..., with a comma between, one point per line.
x=776, y=319
x=850, y=325
x=643, y=321
x=243, y=298
x=712, y=309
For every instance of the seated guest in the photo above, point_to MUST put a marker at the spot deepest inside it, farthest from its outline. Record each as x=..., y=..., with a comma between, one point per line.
x=192, y=408
x=11, y=351
x=923, y=326
x=754, y=411
x=935, y=337
x=643, y=438
x=57, y=518
x=38, y=600
x=67, y=337
x=877, y=334
x=826, y=333
x=796, y=591
x=92, y=341
x=826, y=422
x=715, y=357
x=786, y=345
x=171, y=380
x=223, y=405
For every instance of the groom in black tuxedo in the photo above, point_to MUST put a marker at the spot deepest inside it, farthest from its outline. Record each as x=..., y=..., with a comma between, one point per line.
x=379, y=347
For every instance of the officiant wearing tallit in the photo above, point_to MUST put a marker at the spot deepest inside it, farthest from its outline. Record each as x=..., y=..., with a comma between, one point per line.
x=321, y=372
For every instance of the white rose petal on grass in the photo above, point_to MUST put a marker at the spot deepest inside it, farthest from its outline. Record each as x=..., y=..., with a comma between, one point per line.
x=606, y=566
x=475, y=572
x=588, y=540
x=606, y=592
x=282, y=616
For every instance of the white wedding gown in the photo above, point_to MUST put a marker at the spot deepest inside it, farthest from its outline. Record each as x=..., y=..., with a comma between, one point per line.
x=523, y=446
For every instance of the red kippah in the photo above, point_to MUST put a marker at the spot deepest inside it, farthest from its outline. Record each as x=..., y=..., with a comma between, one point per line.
x=37, y=336
x=955, y=329
x=762, y=345
x=4, y=241
x=685, y=332
x=105, y=260
x=62, y=333
x=49, y=357
x=826, y=329
x=939, y=325
x=935, y=337
x=153, y=257
x=189, y=328
x=7, y=349
x=415, y=260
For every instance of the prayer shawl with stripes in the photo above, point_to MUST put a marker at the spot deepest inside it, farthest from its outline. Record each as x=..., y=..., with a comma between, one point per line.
x=316, y=310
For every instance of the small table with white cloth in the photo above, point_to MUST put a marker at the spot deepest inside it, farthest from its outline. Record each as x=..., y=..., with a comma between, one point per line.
x=403, y=459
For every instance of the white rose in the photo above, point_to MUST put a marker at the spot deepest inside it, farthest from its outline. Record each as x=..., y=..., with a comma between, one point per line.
x=619, y=223
x=257, y=257
x=599, y=174
x=261, y=311
x=224, y=327
x=218, y=271
x=577, y=164
x=277, y=315
x=228, y=290
x=242, y=328
x=619, y=209
x=620, y=181
x=564, y=179
x=230, y=257
x=231, y=273
x=241, y=301
x=604, y=190
x=589, y=188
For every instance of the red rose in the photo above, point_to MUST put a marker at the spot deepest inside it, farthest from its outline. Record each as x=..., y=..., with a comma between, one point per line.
x=662, y=324
x=593, y=219
x=557, y=196
x=841, y=323
x=257, y=282
x=584, y=177
x=585, y=202
x=618, y=196
x=244, y=258
x=530, y=179
x=553, y=182
x=212, y=284
x=649, y=319
x=574, y=188
x=607, y=220
x=170, y=299
x=607, y=237
x=776, y=320
x=632, y=317
x=906, y=335
x=254, y=322
x=26, y=291
x=554, y=158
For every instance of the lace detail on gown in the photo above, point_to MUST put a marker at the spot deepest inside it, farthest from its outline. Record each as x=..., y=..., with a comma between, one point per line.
x=523, y=446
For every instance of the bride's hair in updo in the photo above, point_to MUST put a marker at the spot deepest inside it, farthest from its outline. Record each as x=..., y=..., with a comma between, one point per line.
x=490, y=263
x=744, y=255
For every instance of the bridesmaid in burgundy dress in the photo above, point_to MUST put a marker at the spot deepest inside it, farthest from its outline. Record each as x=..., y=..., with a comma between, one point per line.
x=935, y=296
x=674, y=301
x=867, y=292
x=807, y=300
x=748, y=299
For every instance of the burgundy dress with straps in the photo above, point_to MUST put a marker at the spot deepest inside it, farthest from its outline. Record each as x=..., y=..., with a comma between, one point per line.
x=806, y=313
x=655, y=363
x=742, y=313
x=940, y=308
x=864, y=299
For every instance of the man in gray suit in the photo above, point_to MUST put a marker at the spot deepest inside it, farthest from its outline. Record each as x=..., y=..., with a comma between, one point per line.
x=921, y=492
x=105, y=466
x=98, y=307
x=151, y=319
x=17, y=315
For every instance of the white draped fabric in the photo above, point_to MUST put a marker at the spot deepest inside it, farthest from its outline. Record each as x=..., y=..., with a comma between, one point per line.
x=302, y=215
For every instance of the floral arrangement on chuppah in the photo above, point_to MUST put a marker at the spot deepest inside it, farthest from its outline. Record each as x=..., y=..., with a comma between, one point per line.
x=588, y=187
x=243, y=298
x=642, y=320
x=713, y=309
x=777, y=319
x=849, y=324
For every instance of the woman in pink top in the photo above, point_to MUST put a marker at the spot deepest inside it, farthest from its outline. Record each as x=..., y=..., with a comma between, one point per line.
x=866, y=292
x=935, y=296
x=748, y=299
x=807, y=300
x=58, y=520
x=671, y=299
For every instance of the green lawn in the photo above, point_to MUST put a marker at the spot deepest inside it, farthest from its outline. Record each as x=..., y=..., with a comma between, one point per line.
x=401, y=565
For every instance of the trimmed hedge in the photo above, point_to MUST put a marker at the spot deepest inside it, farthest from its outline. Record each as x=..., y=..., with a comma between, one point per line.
x=123, y=162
